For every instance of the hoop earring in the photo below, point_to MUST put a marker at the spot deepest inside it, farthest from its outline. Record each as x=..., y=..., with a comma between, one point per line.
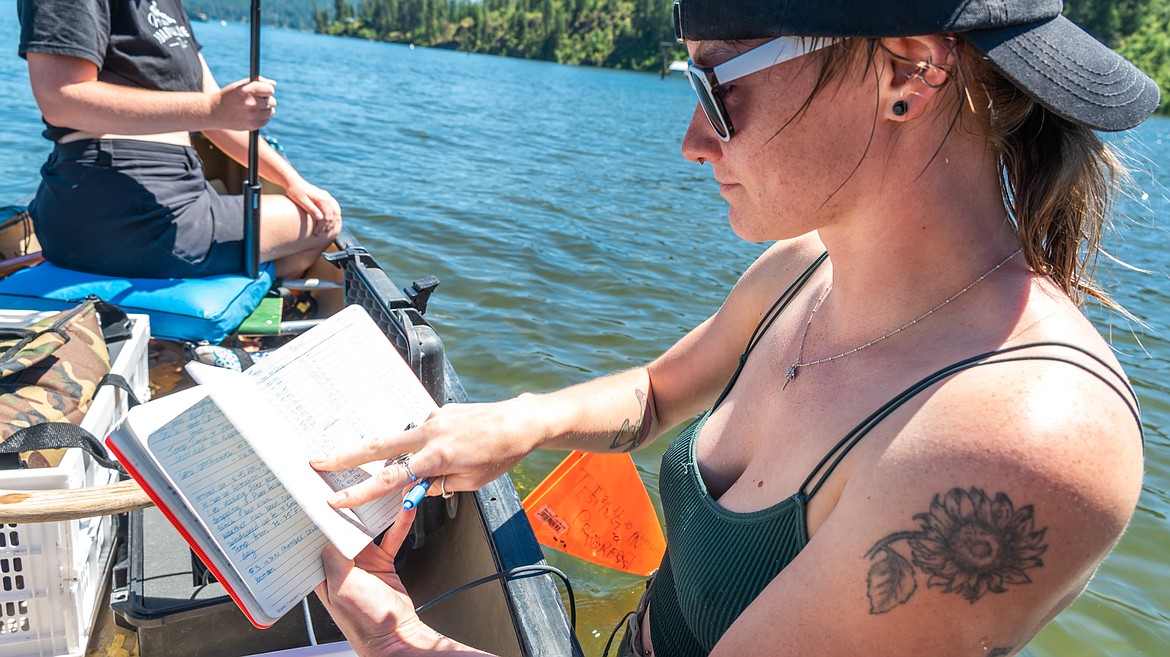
x=923, y=67
x=900, y=108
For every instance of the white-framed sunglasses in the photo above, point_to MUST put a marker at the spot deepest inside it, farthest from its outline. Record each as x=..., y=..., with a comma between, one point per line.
x=706, y=81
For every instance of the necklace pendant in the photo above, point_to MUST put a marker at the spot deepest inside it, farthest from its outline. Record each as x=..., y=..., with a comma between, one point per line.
x=789, y=375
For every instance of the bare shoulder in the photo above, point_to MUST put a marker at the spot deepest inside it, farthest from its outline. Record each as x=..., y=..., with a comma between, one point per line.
x=775, y=270
x=1054, y=405
x=1053, y=410
x=762, y=283
x=787, y=258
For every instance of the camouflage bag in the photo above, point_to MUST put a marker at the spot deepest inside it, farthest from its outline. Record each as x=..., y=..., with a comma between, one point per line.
x=50, y=371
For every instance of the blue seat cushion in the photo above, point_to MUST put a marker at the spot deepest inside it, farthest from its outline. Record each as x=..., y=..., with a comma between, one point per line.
x=179, y=308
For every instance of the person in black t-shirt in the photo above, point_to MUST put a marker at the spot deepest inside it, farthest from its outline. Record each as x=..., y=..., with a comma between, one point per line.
x=121, y=84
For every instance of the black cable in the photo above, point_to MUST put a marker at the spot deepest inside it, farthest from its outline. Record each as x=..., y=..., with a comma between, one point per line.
x=199, y=589
x=518, y=572
x=605, y=653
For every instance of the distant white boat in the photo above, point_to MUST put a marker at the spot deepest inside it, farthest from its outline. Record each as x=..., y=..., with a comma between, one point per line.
x=678, y=66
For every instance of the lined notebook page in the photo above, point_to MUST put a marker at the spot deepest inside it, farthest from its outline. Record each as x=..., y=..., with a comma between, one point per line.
x=340, y=383
x=272, y=545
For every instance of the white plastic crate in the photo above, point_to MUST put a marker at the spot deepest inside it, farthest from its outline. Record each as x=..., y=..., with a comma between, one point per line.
x=51, y=574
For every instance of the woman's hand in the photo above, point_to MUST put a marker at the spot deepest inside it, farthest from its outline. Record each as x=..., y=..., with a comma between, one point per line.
x=370, y=605
x=460, y=446
x=367, y=600
x=243, y=105
x=317, y=203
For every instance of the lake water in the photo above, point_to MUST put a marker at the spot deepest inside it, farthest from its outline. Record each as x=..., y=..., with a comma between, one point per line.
x=572, y=239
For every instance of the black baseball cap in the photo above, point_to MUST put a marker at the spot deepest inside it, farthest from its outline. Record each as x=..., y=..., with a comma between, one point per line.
x=1046, y=55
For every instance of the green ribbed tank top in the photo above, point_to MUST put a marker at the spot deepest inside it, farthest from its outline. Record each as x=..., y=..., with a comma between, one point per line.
x=717, y=561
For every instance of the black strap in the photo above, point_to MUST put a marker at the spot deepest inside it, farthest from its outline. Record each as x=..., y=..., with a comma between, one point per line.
x=13, y=333
x=22, y=336
x=767, y=320
x=116, y=325
x=119, y=381
x=55, y=435
x=841, y=449
x=26, y=336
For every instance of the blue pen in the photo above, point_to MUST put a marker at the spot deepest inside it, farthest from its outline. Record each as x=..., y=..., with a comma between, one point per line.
x=415, y=495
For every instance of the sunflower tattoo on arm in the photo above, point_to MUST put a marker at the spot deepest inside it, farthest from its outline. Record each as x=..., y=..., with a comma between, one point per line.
x=967, y=543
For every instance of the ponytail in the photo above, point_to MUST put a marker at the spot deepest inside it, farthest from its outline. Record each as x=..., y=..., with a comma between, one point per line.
x=1057, y=178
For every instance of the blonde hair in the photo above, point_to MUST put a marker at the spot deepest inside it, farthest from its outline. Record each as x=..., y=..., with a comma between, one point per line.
x=1058, y=176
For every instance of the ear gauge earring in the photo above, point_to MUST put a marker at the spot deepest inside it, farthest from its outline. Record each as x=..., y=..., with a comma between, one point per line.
x=702, y=161
x=900, y=108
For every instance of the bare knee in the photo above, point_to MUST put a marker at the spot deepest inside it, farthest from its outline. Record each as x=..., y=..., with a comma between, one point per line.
x=333, y=231
x=287, y=231
x=295, y=264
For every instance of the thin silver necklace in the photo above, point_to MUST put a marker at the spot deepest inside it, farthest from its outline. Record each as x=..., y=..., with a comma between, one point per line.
x=799, y=362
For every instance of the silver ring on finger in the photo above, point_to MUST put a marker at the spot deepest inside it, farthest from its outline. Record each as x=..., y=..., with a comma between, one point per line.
x=443, y=489
x=404, y=461
x=410, y=473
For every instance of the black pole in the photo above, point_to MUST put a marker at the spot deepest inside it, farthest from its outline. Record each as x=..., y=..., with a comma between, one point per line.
x=252, y=184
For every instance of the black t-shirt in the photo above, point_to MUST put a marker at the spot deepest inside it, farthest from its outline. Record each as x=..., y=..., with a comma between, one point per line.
x=135, y=43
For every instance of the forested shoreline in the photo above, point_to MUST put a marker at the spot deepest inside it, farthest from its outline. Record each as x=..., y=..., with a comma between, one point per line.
x=627, y=34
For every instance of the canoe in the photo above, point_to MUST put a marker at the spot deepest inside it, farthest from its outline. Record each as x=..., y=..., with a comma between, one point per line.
x=159, y=600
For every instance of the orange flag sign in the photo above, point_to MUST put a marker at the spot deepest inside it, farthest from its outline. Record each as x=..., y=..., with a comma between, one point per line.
x=594, y=506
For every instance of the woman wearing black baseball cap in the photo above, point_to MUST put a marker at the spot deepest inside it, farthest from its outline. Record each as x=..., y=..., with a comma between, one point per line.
x=911, y=441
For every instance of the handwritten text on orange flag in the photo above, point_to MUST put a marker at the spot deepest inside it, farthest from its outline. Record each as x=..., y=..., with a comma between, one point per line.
x=594, y=506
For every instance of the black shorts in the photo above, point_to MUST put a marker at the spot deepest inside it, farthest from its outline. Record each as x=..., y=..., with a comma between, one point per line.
x=123, y=207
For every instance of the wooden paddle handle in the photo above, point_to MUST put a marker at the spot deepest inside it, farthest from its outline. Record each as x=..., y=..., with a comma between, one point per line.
x=18, y=506
x=20, y=262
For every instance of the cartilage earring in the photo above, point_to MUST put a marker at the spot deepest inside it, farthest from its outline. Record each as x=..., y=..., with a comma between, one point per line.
x=900, y=108
x=923, y=67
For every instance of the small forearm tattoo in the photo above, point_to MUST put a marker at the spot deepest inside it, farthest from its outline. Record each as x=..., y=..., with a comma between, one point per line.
x=634, y=432
x=967, y=543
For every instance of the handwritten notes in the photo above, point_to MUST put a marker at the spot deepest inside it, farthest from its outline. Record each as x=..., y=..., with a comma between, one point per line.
x=343, y=387
x=595, y=507
x=252, y=515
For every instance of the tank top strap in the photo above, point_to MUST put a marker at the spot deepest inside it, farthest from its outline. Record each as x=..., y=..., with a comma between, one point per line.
x=767, y=320
x=835, y=455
